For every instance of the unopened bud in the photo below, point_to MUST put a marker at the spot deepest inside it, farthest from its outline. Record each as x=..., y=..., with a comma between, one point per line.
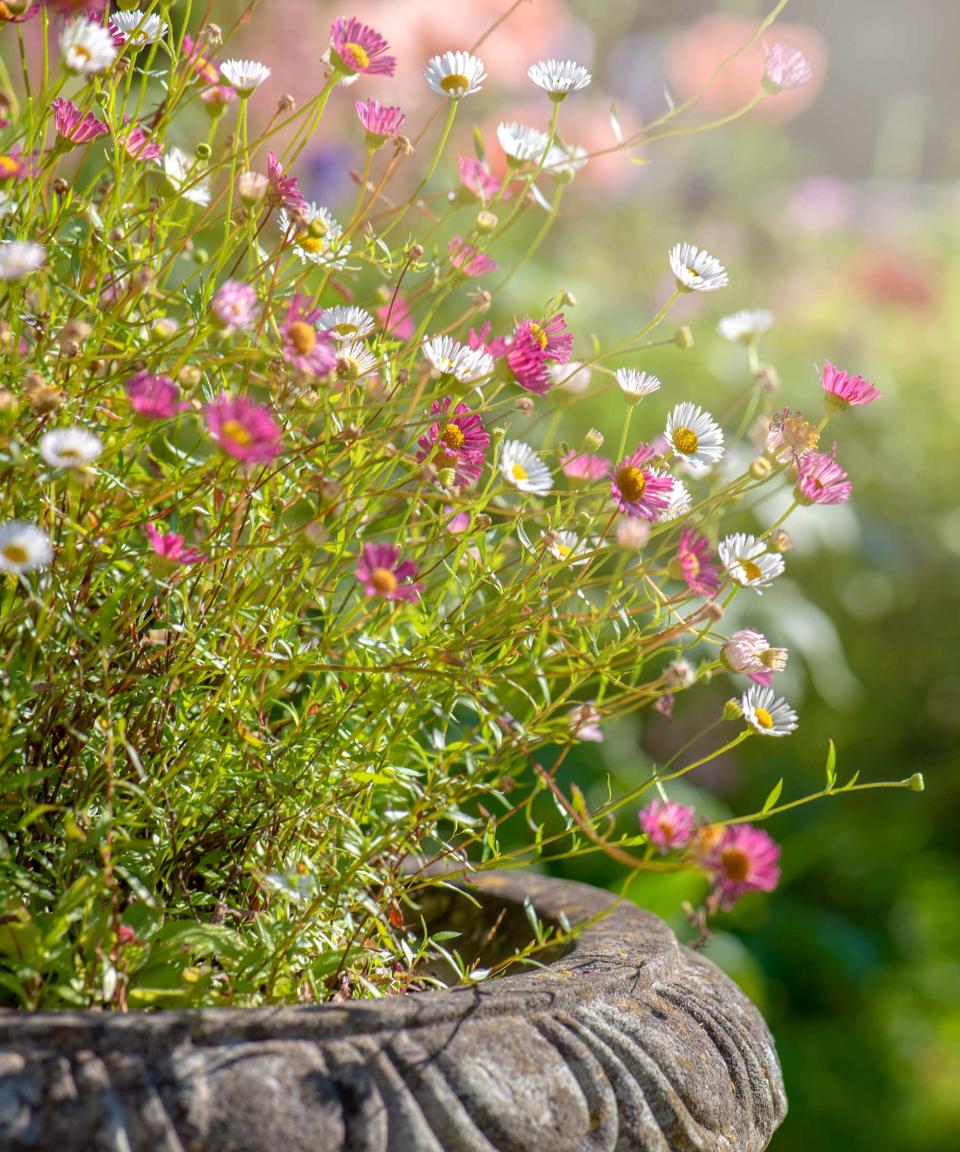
x=446, y=477
x=200, y=255
x=69, y=348
x=60, y=186
x=633, y=534
x=286, y=103
x=732, y=710
x=713, y=611
x=593, y=441
x=482, y=521
x=252, y=187
x=486, y=221
x=189, y=376
x=524, y=405
x=481, y=299
x=212, y=34
x=761, y=468
x=203, y=151
x=414, y=252
x=780, y=541
x=402, y=145
x=915, y=783
x=164, y=327
x=683, y=337
x=122, y=64
x=142, y=279
x=41, y=396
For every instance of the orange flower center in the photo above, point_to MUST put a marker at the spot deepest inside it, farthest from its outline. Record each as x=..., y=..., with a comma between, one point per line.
x=750, y=570
x=631, y=482
x=736, y=864
x=455, y=82
x=8, y=167
x=383, y=580
x=356, y=55
x=764, y=719
x=235, y=431
x=302, y=336
x=16, y=554
x=685, y=441
x=452, y=436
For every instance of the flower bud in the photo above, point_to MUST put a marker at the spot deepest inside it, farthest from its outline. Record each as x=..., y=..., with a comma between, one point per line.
x=481, y=299
x=414, y=253
x=761, y=468
x=683, y=337
x=60, y=187
x=164, y=327
x=77, y=330
x=286, y=103
x=212, y=34
x=633, y=534
x=203, y=151
x=41, y=396
x=780, y=541
x=524, y=405
x=482, y=521
x=915, y=783
x=189, y=376
x=732, y=709
x=446, y=477
x=568, y=299
x=486, y=221
x=593, y=441
x=713, y=611
x=252, y=187
x=69, y=348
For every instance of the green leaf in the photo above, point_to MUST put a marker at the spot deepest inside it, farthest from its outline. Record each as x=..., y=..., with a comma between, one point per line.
x=774, y=796
x=831, y=766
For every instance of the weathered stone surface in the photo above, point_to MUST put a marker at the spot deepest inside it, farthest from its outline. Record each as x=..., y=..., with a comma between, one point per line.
x=628, y=1043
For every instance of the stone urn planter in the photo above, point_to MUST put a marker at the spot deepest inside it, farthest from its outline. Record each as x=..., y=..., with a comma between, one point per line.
x=625, y=1042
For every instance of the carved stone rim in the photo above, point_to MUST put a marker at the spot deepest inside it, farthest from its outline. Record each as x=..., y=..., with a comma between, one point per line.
x=628, y=1041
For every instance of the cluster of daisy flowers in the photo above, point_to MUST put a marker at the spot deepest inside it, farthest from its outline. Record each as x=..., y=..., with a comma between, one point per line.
x=308, y=402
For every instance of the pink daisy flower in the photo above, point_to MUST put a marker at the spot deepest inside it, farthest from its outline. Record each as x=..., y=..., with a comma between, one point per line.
x=497, y=347
x=383, y=574
x=235, y=305
x=283, y=189
x=356, y=47
x=470, y=260
x=477, y=178
x=533, y=346
x=821, y=480
x=696, y=569
x=748, y=651
x=845, y=391
x=215, y=96
x=584, y=722
x=744, y=859
x=640, y=491
x=583, y=466
x=15, y=166
x=400, y=317
x=172, y=548
x=667, y=824
x=381, y=122
x=310, y=351
x=785, y=67
x=139, y=146
x=243, y=429
x=155, y=397
x=459, y=442
x=74, y=128
x=207, y=71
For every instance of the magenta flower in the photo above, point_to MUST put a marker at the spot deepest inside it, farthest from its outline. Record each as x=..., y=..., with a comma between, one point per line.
x=459, y=442
x=380, y=121
x=744, y=859
x=216, y=95
x=15, y=166
x=139, y=146
x=383, y=574
x=785, y=67
x=10, y=15
x=470, y=260
x=283, y=189
x=400, y=317
x=243, y=429
x=477, y=178
x=356, y=47
x=172, y=548
x=748, y=651
x=497, y=347
x=309, y=351
x=155, y=397
x=845, y=391
x=74, y=128
x=640, y=491
x=667, y=824
x=584, y=466
x=693, y=561
x=235, y=305
x=206, y=70
x=821, y=480
x=533, y=346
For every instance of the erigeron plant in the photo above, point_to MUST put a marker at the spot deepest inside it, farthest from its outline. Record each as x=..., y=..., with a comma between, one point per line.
x=304, y=592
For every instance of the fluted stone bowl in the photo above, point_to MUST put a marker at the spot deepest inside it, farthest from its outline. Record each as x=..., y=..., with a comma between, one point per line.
x=625, y=1042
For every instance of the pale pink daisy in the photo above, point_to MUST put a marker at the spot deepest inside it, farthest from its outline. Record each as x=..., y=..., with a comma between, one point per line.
x=381, y=122
x=154, y=397
x=138, y=145
x=785, y=67
x=468, y=259
x=383, y=574
x=667, y=824
x=641, y=491
x=172, y=548
x=845, y=391
x=743, y=859
x=693, y=562
x=821, y=480
x=749, y=652
x=235, y=305
x=397, y=318
x=283, y=189
x=72, y=127
x=243, y=429
x=356, y=47
x=477, y=178
x=583, y=466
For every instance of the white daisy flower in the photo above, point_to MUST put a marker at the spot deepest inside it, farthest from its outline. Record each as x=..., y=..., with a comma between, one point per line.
x=177, y=167
x=455, y=74
x=559, y=77
x=449, y=357
x=23, y=547
x=635, y=384
x=747, y=560
x=767, y=713
x=354, y=360
x=746, y=327
x=694, y=435
x=137, y=29
x=680, y=503
x=87, y=47
x=523, y=468
x=18, y=258
x=520, y=142
x=696, y=270
x=346, y=322
x=69, y=447
x=567, y=546
x=565, y=160
x=316, y=235
x=245, y=76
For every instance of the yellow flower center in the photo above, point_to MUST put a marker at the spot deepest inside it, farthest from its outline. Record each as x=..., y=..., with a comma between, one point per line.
x=518, y=472
x=383, y=580
x=68, y=454
x=452, y=436
x=8, y=167
x=313, y=244
x=455, y=82
x=692, y=272
x=537, y=332
x=564, y=551
x=16, y=554
x=356, y=55
x=751, y=570
x=345, y=329
x=685, y=441
x=235, y=431
x=631, y=482
x=302, y=336
x=82, y=51
x=764, y=719
x=736, y=864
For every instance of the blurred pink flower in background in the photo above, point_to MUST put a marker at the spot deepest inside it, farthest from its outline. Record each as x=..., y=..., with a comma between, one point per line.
x=692, y=55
